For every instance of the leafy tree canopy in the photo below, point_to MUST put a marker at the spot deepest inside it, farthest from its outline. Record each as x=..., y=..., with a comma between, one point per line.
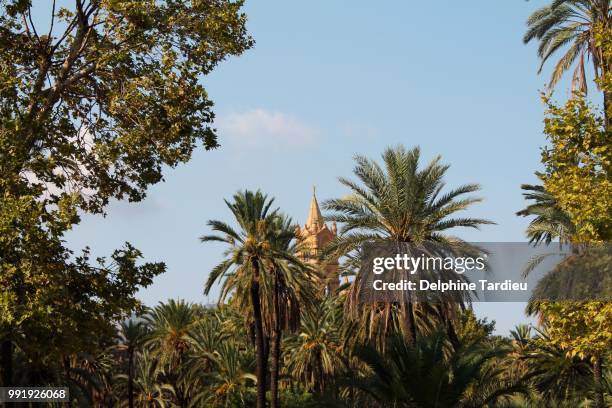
x=577, y=163
x=583, y=330
x=50, y=301
x=99, y=100
x=94, y=102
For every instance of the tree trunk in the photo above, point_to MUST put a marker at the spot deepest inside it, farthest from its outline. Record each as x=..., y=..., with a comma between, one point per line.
x=275, y=369
x=259, y=338
x=318, y=384
x=607, y=102
x=131, y=379
x=409, y=323
x=276, y=346
x=599, y=395
x=451, y=333
x=66, y=360
x=6, y=360
x=266, y=357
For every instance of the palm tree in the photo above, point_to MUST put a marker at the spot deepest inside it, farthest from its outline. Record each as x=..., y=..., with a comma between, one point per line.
x=131, y=335
x=220, y=364
x=316, y=350
x=230, y=382
x=250, y=250
x=150, y=390
x=431, y=373
x=169, y=341
x=294, y=289
x=571, y=23
x=550, y=222
x=403, y=205
x=90, y=378
x=206, y=336
x=555, y=375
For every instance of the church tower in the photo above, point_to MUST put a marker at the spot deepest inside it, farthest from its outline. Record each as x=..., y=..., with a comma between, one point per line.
x=314, y=236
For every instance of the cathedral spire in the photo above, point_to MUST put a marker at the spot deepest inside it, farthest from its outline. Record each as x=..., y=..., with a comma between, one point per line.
x=315, y=219
x=313, y=238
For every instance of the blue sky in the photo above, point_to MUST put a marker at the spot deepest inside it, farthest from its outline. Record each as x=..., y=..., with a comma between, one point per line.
x=326, y=80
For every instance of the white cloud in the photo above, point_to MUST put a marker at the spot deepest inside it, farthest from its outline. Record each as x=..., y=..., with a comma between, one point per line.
x=152, y=204
x=259, y=126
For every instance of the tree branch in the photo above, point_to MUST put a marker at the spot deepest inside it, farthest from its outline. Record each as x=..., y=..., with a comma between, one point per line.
x=32, y=22
x=79, y=43
x=51, y=26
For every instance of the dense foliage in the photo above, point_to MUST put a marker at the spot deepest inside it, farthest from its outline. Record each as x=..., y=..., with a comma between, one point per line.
x=573, y=204
x=275, y=316
x=181, y=354
x=106, y=95
x=93, y=106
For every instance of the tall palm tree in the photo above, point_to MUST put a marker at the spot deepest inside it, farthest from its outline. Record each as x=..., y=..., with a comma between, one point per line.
x=402, y=204
x=571, y=23
x=132, y=335
x=249, y=251
x=294, y=284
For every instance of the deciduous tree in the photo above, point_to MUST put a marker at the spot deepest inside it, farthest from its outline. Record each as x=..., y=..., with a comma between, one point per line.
x=94, y=103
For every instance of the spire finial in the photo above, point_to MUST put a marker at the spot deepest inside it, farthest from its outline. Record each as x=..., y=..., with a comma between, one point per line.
x=315, y=219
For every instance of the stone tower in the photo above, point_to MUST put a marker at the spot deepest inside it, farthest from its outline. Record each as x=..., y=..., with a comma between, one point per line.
x=314, y=236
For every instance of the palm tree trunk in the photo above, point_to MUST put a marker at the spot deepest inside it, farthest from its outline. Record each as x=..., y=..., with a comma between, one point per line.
x=6, y=359
x=607, y=107
x=259, y=338
x=275, y=369
x=607, y=95
x=130, y=379
x=450, y=328
x=408, y=322
x=599, y=396
x=66, y=360
x=319, y=384
x=276, y=345
x=266, y=354
x=452, y=334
